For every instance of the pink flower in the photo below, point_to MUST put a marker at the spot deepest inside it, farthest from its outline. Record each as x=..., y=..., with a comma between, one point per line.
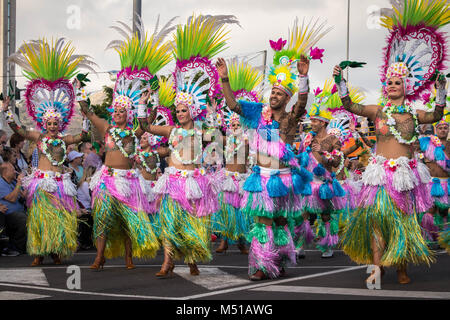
x=277, y=46
x=316, y=54
x=426, y=97
x=334, y=89
x=267, y=115
x=129, y=174
x=317, y=91
x=196, y=173
x=105, y=170
x=413, y=164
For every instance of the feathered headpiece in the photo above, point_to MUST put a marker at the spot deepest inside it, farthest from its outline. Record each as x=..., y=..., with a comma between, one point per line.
x=339, y=125
x=196, y=78
x=283, y=72
x=244, y=81
x=166, y=99
x=49, y=67
x=415, y=49
x=327, y=105
x=141, y=57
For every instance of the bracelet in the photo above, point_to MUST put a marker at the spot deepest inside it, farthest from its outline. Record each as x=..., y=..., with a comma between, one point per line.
x=303, y=86
x=142, y=111
x=440, y=97
x=224, y=80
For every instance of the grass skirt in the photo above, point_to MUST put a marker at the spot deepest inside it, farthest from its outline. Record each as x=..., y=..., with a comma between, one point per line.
x=52, y=225
x=183, y=234
x=117, y=221
x=401, y=233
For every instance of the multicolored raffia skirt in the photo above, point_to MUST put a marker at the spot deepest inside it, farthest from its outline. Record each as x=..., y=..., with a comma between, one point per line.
x=119, y=211
x=187, y=203
x=440, y=192
x=229, y=221
x=389, y=200
x=270, y=194
x=444, y=238
x=52, y=214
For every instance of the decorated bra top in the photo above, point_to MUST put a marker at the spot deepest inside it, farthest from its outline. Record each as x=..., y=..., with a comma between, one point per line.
x=233, y=146
x=385, y=127
x=114, y=140
x=177, y=141
x=54, y=149
x=433, y=150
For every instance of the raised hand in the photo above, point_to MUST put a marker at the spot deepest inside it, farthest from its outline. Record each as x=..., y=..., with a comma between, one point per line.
x=222, y=68
x=337, y=72
x=144, y=97
x=303, y=66
x=441, y=82
x=5, y=103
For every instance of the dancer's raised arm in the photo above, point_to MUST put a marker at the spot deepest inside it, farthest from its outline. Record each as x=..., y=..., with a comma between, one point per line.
x=441, y=102
x=22, y=131
x=368, y=111
x=222, y=69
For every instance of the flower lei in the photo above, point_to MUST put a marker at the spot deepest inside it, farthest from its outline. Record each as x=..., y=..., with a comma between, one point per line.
x=177, y=136
x=329, y=156
x=144, y=154
x=267, y=115
x=117, y=134
x=233, y=145
x=436, y=141
x=55, y=142
x=389, y=109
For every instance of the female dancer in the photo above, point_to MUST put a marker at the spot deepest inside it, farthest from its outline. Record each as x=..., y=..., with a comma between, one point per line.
x=120, y=207
x=230, y=222
x=187, y=198
x=50, y=98
x=384, y=230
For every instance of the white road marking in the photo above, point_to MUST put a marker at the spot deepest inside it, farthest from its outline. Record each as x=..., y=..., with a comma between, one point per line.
x=357, y=292
x=211, y=278
x=89, y=293
x=12, y=295
x=24, y=276
x=197, y=296
x=266, y=283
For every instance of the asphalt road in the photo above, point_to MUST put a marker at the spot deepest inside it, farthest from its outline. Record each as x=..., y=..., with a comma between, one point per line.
x=224, y=279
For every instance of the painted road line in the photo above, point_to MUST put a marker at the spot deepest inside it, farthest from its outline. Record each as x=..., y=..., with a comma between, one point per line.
x=265, y=284
x=24, y=276
x=357, y=292
x=112, y=295
x=13, y=295
x=211, y=278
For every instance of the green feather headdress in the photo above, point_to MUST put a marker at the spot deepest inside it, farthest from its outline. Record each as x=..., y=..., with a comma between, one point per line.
x=140, y=50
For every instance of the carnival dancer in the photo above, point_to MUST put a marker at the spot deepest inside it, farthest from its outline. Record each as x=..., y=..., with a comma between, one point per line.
x=435, y=152
x=153, y=148
x=187, y=197
x=120, y=207
x=272, y=191
x=50, y=99
x=384, y=230
x=343, y=127
x=320, y=153
x=230, y=222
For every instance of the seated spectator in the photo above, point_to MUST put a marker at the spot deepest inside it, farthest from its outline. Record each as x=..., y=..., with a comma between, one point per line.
x=3, y=141
x=84, y=201
x=86, y=148
x=92, y=160
x=75, y=159
x=15, y=218
x=17, y=142
x=10, y=155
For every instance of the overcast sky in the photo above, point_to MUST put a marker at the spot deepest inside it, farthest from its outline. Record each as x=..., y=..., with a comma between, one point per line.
x=261, y=21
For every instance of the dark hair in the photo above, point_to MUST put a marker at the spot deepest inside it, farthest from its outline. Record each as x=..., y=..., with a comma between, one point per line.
x=82, y=146
x=15, y=140
x=7, y=153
